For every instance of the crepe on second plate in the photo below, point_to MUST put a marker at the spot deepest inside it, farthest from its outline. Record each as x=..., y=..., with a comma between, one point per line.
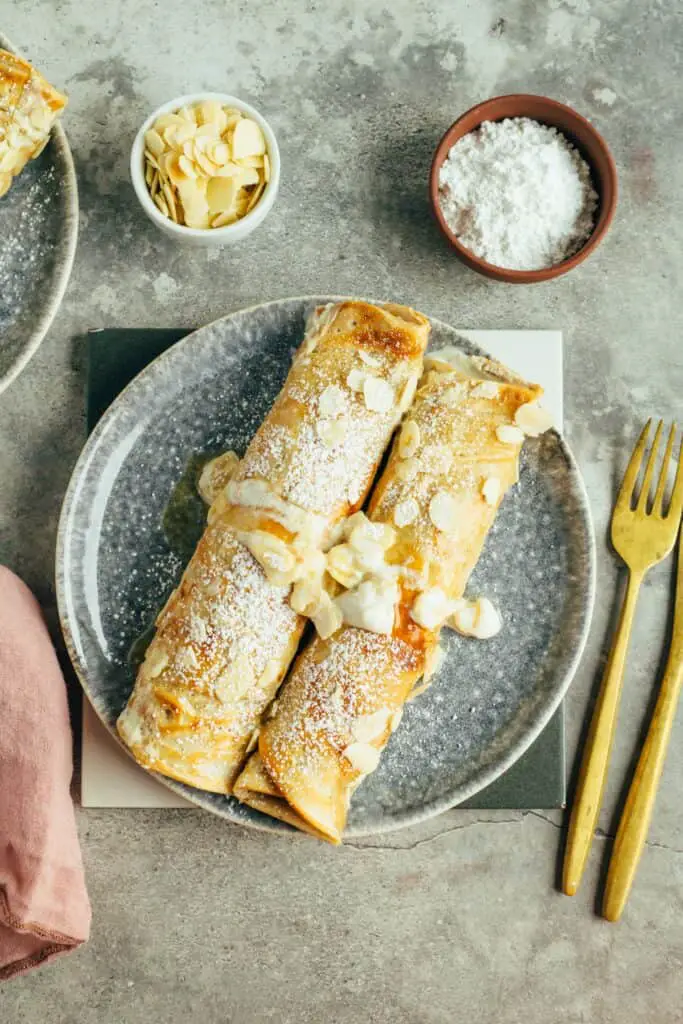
x=456, y=456
x=29, y=106
x=227, y=635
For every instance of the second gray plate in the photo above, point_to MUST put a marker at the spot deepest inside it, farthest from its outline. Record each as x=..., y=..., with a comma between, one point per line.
x=38, y=233
x=115, y=567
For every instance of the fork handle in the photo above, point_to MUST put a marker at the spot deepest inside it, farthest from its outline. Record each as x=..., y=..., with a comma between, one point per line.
x=637, y=813
x=593, y=773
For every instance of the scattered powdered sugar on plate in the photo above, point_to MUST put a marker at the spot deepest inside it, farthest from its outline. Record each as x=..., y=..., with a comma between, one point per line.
x=25, y=245
x=517, y=194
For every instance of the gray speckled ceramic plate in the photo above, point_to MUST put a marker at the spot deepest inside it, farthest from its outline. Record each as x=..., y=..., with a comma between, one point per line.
x=114, y=568
x=38, y=232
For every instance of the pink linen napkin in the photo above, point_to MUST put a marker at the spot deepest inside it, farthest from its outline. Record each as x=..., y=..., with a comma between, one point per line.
x=44, y=907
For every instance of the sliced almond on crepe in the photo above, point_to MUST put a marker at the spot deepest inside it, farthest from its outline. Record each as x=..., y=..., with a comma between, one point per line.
x=409, y=439
x=507, y=434
x=533, y=419
x=378, y=394
x=444, y=512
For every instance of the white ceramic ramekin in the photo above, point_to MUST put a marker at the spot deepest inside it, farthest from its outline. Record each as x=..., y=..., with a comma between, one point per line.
x=231, y=233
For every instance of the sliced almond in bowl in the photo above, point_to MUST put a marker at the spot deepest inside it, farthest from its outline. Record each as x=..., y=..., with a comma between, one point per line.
x=247, y=139
x=202, y=143
x=221, y=194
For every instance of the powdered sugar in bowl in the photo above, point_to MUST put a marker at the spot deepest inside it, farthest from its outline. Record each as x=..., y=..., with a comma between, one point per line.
x=523, y=187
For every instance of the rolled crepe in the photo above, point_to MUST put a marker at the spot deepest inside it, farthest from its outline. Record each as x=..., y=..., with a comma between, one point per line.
x=29, y=106
x=454, y=459
x=228, y=634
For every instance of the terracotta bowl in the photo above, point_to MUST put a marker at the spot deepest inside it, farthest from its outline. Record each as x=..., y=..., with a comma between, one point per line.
x=580, y=133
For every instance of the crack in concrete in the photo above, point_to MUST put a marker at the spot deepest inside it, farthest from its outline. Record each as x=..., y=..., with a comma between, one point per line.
x=601, y=834
x=437, y=835
x=559, y=826
x=542, y=817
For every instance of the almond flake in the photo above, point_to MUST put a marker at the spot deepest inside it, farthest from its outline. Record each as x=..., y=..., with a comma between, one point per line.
x=408, y=394
x=266, y=168
x=251, y=161
x=444, y=512
x=507, y=434
x=151, y=159
x=220, y=154
x=223, y=219
x=479, y=619
x=490, y=490
x=406, y=512
x=188, y=168
x=378, y=394
x=216, y=474
x=165, y=121
x=255, y=196
x=533, y=419
x=270, y=552
x=202, y=163
x=211, y=112
x=409, y=439
x=161, y=203
x=332, y=432
x=407, y=469
x=228, y=170
x=395, y=719
x=360, y=530
x=207, y=133
x=253, y=741
x=370, y=360
x=341, y=565
x=369, y=556
x=247, y=139
x=356, y=379
x=362, y=757
x=487, y=389
x=326, y=617
x=221, y=195
x=433, y=662
x=454, y=396
x=370, y=727
x=248, y=176
x=154, y=142
x=156, y=661
x=332, y=401
x=170, y=201
x=431, y=608
x=183, y=134
x=305, y=597
x=168, y=136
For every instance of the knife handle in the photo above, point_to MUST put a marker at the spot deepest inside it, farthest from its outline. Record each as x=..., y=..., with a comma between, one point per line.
x=637, y=814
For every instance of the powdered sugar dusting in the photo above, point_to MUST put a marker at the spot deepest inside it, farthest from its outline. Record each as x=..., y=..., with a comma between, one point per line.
x=25, y=245
x=330, y=687
x=517, y=194
x=326, y=471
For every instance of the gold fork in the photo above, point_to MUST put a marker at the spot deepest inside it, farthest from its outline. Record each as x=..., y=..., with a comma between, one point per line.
x=642, y=539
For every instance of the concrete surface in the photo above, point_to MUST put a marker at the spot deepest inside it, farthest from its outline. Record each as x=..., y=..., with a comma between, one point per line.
x=456, y=920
